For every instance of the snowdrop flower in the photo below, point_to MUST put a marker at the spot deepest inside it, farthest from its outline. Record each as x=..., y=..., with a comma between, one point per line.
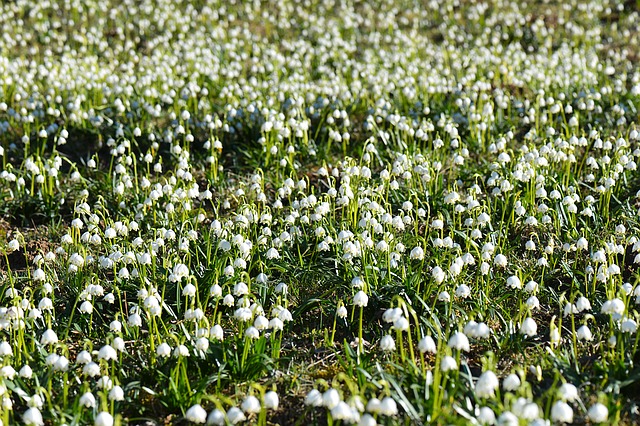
x=342, y=312
x=417, y=253
x=271, y=400
x=196, y=414
x=568, y=392
x=107, y=353
x=438, y=274
x=250, y=405
x=342, y=411
x=88, y=400
x=314, y=398
x=598, y=413
x=561, y=412
x=25, y=372
x=367, y=420
x=387, y=344
x=628, y=326
x=8, y=372
x=388, y=406
x=507, y=418
x=49, y=337
x=216, y=418
x=613, y=307
x=427, y=344
x=459, y=341
x=500, y=260
x=531, y=287
x=511, y=382
x=104, y=419
x=235, y=415
x=330, y=398
x=116, y=394
x=86, y=307
x=529, y=327
x=360, y=299
x=401, y=324
x=163, y=350
x=486, y=416
x=487, y=384
x=448, y=363
x=463, y=291
x=189, y=290
x=583, y=333
x=533, y=302
x=91, y=369
x=514, y=282
x=444, y=296
x=582, y=304
x=32, y=417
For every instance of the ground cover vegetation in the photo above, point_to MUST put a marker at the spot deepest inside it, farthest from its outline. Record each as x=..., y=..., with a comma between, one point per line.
x=319, y=212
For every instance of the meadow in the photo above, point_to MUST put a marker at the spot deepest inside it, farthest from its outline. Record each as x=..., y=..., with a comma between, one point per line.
x=319, y=212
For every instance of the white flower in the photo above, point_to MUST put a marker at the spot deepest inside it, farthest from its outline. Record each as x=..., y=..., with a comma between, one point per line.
x=342, y=312
x=314, y=398
x=163, y=350
x=32, y=417
x=427, y=344
x=507, y=418
x=533, y=302
x=49, y=337
x=252, y=332
x=26, y=372
x=361, y=299
x=91, y=369
x=116, y=394
x=250, y=405
x=561, y=412
x=342, y=411
x=582, y=244
x=272, y=253
x=271, y=400
x=401, y=324
x=330, y=398
x=511, y=382
x=216, y=418
x=444, y=296
x=189, y=290
x=487, y=384
x=598, y=413
x=583, y=304
x=486, y=416
x=388, y=406
x=583, y=333
x=514, y=282
x=196, y=414
x=107, y=353
x=459, y=341
x=367, y=420
x=88, y=400
x=86, y=307
x=463, y=291
x=448, y=363
x=104, y=419
x=387, y=343
x=235, y=415
x=500, y=260
x=529, y=327
x=568, y=392
x=13, y=245
x=438, y=274
x=417, y=253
